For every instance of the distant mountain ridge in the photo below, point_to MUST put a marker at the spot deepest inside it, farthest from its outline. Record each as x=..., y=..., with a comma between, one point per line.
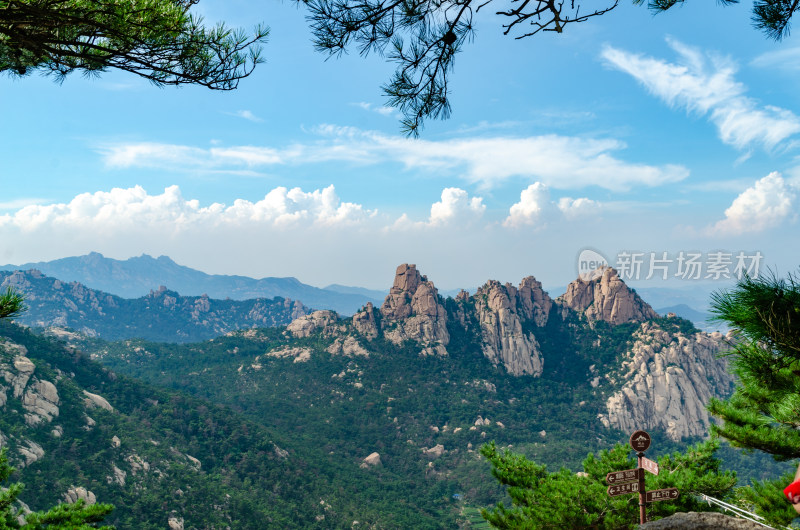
x=136, y=277
x=162, y=315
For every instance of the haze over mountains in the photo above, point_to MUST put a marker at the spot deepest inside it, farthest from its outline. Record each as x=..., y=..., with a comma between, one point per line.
x=136, y=277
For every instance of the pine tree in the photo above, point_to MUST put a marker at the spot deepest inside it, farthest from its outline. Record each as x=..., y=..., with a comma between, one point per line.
x=11, y=304
x=764, y=411
x=563, y=499
x=159, y=40
x=77, y=516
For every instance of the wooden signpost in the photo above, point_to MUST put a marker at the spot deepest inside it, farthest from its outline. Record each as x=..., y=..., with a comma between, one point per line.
x=632, y=480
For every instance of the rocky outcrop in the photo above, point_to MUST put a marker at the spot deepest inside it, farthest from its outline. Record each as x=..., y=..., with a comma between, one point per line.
x=364, y=322
x=300, y=355
x=40, y=402
x=73, y=494
x=500, y=311
x=701, y=521
x=667, y=380
x=305, y=326
x=349, y=347
x=94, y=400
x=606, y=297
x=372, y=460
x=412, y=311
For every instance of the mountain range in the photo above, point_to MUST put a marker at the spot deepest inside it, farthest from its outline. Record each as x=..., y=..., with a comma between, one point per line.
x=373, y=419
x=136, y=277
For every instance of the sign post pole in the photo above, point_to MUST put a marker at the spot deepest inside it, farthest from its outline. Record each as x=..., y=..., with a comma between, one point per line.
x=642, y=491
x=640, y=442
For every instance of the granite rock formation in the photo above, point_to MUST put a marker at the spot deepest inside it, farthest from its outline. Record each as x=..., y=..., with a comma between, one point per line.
x=668, y=379
x=501, y=310
x=412, y=312
x=607, y=298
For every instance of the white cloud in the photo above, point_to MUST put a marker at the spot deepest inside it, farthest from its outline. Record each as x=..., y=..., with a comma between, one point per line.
x=535, y=207
x=784, y=59
x=383, y=111
x=247, y=115
x=455, y=208
x=563, y=162
x=133, y=208
x=770, y=201
x=706, y=84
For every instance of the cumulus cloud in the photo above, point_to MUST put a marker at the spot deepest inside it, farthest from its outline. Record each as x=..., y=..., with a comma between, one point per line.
x=133, y=208
x=706, y=84
x=535, y=207
x=563, y=162
x=455, y=207
x=770, y=201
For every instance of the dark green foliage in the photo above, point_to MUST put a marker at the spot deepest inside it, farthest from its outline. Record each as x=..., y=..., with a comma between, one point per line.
x=767, y=499
x=77, y=516
x=763, y=413
x=563, y=499
x=155, y=39
x=11, y=304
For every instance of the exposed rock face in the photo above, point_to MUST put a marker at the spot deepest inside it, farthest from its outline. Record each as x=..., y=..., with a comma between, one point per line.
x=412, y=311
x=372, y=460
x=434, y=452
x=364, y=322
x=41, y=402
x=701, y=521
x=73, y=494
x=606, y=297
x=300, y=355
x=307, y=325
x=30, y=451
x=669, y=378
x=500, y=310
x=348, y=347
x=94, y=400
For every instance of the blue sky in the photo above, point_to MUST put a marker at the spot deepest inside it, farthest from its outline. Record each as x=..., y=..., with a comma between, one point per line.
x=629, y=132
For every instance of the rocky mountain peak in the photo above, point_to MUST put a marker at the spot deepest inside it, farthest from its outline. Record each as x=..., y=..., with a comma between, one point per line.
x=606, y=297
x=412, y=311
x=501, y=310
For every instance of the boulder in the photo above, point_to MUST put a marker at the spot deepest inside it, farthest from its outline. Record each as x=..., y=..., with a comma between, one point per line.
x=307, y=325
x=372, y=460
x=701, y=521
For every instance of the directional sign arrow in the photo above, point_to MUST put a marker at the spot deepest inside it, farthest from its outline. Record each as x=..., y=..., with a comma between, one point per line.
x=622, y=489
x=650, y=466
x=662, y=495
x=628, y=475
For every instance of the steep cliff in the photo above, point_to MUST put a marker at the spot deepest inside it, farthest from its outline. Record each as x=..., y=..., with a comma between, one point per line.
x=667, y=379
x=412, y=312
x=606, y=297
x=501, y=310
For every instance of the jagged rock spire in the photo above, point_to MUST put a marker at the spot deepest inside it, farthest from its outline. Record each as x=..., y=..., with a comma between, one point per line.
x=606, y=297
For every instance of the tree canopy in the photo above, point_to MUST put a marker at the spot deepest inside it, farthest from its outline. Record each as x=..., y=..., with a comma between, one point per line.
x=423, y=36
x=77, y=516
x=159, y=40
x=564, y=499
x=764, y=411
